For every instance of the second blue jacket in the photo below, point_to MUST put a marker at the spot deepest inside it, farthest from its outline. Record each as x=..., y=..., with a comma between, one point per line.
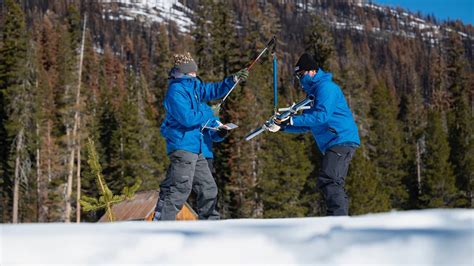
x=187, y=111
x=210, y=136
x=330, y=118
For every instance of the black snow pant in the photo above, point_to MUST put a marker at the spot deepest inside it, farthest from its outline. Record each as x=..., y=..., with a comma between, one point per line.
x=187, y=171
x=331, y=179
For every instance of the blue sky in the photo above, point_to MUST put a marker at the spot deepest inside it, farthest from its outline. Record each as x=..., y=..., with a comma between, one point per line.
x=442, y=9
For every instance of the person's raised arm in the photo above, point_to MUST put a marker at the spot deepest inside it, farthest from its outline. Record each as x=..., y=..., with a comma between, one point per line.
x=216, y=90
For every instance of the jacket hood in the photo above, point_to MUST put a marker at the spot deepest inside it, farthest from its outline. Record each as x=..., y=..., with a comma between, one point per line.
x=183, y=78
x=311, y=83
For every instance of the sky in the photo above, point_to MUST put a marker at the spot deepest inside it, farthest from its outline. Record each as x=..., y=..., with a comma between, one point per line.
x=442, y=9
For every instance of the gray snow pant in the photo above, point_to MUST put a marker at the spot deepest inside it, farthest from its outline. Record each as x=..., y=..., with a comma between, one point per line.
x=187, y=171
x=331, y=179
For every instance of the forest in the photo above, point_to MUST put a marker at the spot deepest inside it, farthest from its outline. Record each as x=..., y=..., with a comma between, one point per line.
x=412, y=98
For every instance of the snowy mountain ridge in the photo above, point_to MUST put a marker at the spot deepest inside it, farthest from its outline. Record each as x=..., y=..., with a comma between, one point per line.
x=406, y=24
x=149, y=11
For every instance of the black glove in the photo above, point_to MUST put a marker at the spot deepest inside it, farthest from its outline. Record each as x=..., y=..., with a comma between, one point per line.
x=223, y=133
x=242, y=75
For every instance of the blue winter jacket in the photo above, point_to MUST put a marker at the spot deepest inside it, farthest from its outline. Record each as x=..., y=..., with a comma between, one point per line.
x=187, y=111
x=329, y=119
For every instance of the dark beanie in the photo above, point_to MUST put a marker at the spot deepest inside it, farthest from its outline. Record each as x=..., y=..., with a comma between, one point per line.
x=306, y=63
x=184, y=63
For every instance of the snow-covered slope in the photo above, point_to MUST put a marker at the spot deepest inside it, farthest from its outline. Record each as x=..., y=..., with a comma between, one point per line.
x=149, y=11
x=396, y=22
x=429, y=237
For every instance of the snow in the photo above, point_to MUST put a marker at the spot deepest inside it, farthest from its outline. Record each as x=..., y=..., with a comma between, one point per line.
x=428, y=237
x=151, y=11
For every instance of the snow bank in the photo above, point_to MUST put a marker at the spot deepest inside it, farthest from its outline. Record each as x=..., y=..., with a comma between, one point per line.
x=429, y=237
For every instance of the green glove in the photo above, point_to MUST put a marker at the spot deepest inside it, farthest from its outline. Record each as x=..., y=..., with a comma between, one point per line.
x=242, y=75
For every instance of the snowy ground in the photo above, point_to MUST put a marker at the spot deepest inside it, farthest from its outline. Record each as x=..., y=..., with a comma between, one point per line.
x=430, y=237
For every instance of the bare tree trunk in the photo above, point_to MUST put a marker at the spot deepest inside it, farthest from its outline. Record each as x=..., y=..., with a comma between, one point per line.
x=70, y=167
x=74, y=131
x=38, y=177
x=16, y=182
x=418, y=167
x=78, y=178
x=48, y=136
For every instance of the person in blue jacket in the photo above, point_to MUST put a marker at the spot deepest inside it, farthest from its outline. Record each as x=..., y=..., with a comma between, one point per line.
x=187, y=113
x=334, y=129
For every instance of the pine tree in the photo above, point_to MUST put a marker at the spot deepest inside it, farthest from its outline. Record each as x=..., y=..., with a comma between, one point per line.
x=284, y=173
x=363, y=182
x=65, y=98
x=248, y=107
x=135, y=140
x=319, y=42
x=107, y=198
x=47, y=161
x=16, y=96
x=385, y=143
x=162, y=67
x=364, y=186
x=460, y=119
x=202, y=41
x=413, y=116
x=438, y=182
x=224, y=41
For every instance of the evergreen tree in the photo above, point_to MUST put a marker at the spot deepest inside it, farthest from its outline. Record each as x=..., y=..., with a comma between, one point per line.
x=224, y=41
x=284, y=173
x=226, y=60
x=438, y=182
x=385, y=143
x=364, y=186
x=412, y=114
x=162, y=67
x=319, y=42
x=202, y=39
x=107, y=198
x=460, y=119
x=47, y=163
x=16, y=98
x=283, y=169
x=363, y=183
x=136, y=140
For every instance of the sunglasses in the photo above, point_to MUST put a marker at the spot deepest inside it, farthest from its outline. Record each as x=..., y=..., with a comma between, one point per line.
x=300, y=74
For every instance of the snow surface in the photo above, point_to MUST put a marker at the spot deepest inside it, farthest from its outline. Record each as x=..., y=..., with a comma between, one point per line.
x=151, y=11
x=428, y=237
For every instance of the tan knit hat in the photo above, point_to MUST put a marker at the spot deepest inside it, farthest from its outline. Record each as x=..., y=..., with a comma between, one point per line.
x=185, y=63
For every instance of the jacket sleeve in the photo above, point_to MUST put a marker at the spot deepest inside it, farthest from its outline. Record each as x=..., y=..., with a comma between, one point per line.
x=178, y=105
x=216, y=90
x=325, y=105
x=213, y=133
x=295, y=129
x=214, y=136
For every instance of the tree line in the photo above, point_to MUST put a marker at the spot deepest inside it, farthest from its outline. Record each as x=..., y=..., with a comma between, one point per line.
x=412, y=100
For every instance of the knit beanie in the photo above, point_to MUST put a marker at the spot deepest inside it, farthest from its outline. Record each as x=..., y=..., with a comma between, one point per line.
x=184, y=63
x=306, y=63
